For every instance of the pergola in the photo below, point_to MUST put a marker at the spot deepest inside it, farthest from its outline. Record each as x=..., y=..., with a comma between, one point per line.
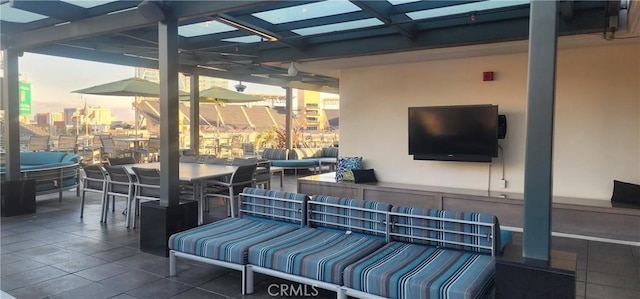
x=259, y=41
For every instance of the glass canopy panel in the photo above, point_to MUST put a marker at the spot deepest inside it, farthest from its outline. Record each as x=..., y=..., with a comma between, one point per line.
x=204, y=28
x=244, y=39
x=307, y=11
x=10, y=14
x=464, y=8
x=338, y=26
x=88, y=3
x=398, y=2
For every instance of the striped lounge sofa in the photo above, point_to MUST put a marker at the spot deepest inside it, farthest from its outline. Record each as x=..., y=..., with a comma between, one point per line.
x=357, y=248
x=264, y=215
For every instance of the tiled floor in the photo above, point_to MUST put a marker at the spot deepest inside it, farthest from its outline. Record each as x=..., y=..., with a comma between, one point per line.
x=55, y=254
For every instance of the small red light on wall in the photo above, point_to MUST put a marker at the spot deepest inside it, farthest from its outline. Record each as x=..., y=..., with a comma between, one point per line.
x=487, y=76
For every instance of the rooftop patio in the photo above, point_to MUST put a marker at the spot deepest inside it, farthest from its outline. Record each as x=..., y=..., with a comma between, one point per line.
x=55, y=254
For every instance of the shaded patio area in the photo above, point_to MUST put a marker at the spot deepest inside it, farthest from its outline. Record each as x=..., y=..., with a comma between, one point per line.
x=55, y=254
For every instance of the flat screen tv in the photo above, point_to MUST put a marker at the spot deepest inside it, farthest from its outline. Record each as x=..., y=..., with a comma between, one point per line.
x=454, y=133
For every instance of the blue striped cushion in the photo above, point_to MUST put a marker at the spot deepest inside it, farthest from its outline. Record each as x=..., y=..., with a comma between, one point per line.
x=227, y=240
x=470, y=228
x=403, y=270
x=330, y=152
x=378, y=218
x=319, y=254
x=270, y=206
x=275, y=153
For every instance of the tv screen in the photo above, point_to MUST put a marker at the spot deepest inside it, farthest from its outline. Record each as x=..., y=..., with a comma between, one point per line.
x=454, y=133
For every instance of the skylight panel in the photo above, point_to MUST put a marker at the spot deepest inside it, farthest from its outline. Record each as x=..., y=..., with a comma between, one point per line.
x=338, y=26
x=464, y=8
x=244, y=39
x=307, y=11
x=10, y=14
x=398, y=2
x=204, y=28
x=88, y=3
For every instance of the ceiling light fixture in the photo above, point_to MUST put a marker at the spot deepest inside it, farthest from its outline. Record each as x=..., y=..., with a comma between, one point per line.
x=292, y=71
x=269, y=37
x=240, y=87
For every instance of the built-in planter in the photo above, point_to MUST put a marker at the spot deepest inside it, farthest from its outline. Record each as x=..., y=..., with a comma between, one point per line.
x=158, y=222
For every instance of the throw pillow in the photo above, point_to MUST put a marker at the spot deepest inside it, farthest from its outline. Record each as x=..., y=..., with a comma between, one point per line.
x=347, y=176
x=364, y=176
x=625, y=192
x=346, y=164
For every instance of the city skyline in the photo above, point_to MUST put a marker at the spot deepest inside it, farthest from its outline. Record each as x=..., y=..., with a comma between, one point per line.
x=54, y=78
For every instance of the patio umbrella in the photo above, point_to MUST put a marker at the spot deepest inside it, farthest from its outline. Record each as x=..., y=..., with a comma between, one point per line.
x=131, y=87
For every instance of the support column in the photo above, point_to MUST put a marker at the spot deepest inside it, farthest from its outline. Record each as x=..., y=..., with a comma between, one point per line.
x=538, y=164
x=169, y=112
x=195, y=113
x=289, y=115
x=11, y=104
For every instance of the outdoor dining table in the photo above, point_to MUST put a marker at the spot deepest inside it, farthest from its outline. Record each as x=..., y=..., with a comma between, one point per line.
x=193, y=173
x=136, y=142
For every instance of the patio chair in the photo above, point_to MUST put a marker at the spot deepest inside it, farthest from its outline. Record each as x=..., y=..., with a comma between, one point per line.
x=191, y=159
x=39, y=143
x=120, y=161
x=152, y=151
x=120, y=184
x=215, y=160
x=95, y=181
x=111, y=149
x=147, y=187
x=263, y=174
x=67, y=143
x=241, y=177
x=243, y=161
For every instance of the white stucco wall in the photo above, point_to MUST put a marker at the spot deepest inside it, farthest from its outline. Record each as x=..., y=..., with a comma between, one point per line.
x=597, y=124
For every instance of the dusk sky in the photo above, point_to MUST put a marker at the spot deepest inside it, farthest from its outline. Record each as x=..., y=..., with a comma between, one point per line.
x=54, y=78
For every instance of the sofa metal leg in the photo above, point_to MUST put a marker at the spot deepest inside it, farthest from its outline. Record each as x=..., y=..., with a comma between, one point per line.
x=247, y=280
x=341, y=294
x=172, y=263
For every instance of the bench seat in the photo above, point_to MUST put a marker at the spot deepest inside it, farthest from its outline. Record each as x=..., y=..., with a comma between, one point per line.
x=317, y=253
x=406, y=270
x=228, y=239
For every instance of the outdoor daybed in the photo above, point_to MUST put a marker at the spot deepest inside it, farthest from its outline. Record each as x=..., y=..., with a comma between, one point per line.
x=53, y=171
x=301, y=158
x=358, y=248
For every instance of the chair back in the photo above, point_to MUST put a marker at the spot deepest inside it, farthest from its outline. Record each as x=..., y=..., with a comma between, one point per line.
x=94, y=178
x=39, y=143
x=153, y=146
x=214, y=160
x=190, y=159
x=68, y=143
x=108, y=146
x=243, y=161
x=243, y=177
x=119, y=179
x=121, y=161
x=148, y=182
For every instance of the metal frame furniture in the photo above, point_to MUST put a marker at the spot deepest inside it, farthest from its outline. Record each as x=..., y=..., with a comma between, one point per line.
x=67, y=143
x=95, y=181
x=147, y=187
x=120, y=184
x=242, y=177
x=39, y=143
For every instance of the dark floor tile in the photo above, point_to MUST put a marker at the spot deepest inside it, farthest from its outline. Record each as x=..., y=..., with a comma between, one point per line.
x=27, y=293
x=20, y=246
x=59, y=284
x=117, y=253
x=18, y=267
x=581, y=288
x=163, y=288
x=88, y=246
x=79, y=264
x=93, y=290
x=162, y=268
x=229, y=284
x=613, y=280
x=581, y=275
x=101, y=272
x=39, y=251
x=198, y=275
x=635, y=250
x=22, y=279
x=196, y=293
x=9, y=258
x=14, y=239
x=141, y=259
x=130, y=280
x=59, y=257
x=123, y=296
x=597, y=291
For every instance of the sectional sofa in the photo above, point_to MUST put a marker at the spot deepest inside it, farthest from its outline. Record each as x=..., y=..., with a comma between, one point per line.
x=301, y=158
x=53, y=171
x=356, y=248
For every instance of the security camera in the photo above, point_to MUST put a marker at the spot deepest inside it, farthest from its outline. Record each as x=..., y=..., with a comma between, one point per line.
x=240, y=87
